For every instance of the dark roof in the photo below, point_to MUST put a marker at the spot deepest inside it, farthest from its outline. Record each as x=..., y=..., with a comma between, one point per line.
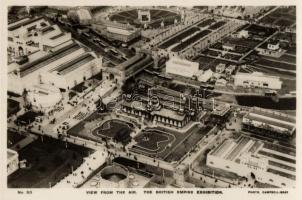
x=29, y=21
x=217, y=25
x=280, y=173
x=57, y=36
x=45, y=60
x=65, y=68
x=47, y=29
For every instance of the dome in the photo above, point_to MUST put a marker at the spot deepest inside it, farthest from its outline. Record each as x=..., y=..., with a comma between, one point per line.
x=44, y=97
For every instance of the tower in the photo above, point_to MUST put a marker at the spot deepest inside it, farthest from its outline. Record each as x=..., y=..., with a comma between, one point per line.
x=144, y=16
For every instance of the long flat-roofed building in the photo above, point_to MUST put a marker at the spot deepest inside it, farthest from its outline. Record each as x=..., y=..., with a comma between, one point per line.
x=257, y=80
x=248, y=157
x=64, y=67
x=181, y=67
x=268, y=122
x=117, y=31
x=127, y=69
x=33, y=34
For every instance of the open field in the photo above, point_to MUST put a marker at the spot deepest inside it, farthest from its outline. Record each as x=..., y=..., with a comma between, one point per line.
x=275, y=64
x=48, y=162
x=281, y=17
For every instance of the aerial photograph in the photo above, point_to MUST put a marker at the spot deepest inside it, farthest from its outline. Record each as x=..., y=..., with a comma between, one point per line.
x=151, y=97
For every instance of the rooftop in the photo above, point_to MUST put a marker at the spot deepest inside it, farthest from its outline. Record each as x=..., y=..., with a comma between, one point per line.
x=10, y=153
x=272, y=118
x=71, y=65
x=254, y=75
x=23, y=22
x=278, y=162
x=217, y=25
x=57, y=36
x=130, y=62
x=49, y=58
x=221, y=110
x=167, y=113
x=273, y=114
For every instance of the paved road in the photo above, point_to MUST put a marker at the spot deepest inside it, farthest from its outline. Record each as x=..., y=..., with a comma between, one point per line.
x=87, y=42
x=272, y=10
x=258, y=45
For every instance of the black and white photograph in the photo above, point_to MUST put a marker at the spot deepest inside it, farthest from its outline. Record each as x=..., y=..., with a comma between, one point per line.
x=154, y=97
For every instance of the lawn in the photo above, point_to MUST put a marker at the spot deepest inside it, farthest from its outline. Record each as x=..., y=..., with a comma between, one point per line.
x=156, y=142
x=168, y=145
x=188, y=144
x=114, y=129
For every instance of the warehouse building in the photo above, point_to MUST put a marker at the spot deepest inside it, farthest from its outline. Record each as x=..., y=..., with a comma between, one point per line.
x=65, y=67
x=29, y=35
x=117, y=31
x=182, y=67
x=204, y=76
x=257, y=80
x=118, y=74
x=259, y=160
x=272, y=123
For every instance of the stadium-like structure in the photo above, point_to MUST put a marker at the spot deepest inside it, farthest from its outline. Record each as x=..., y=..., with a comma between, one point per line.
x=153, y=18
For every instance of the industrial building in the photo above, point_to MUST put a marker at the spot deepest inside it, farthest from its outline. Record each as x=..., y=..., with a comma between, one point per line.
x=259, y=160
x=266, y=122
x=29, y=35
x=117, y=31
x=120, y=73
x=204, y=76
x=64, y=67
x=182, y=67
x=257, y=80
